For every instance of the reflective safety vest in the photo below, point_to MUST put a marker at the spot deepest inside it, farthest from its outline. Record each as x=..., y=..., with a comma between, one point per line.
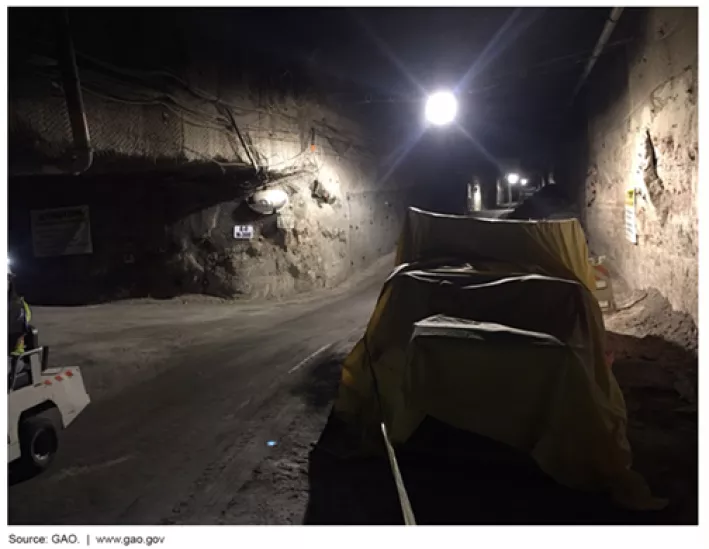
x=25, y=316
x=27, y=311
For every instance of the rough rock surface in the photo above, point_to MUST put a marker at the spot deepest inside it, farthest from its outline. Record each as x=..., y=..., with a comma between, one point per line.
x=167, y=229
x=642, y=134
x=651, y=315
x=319, y=250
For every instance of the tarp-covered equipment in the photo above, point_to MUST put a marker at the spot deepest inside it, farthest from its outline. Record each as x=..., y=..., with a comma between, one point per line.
x=491, y=326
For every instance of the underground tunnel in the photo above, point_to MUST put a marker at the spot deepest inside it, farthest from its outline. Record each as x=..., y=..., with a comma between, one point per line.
x=252, y=239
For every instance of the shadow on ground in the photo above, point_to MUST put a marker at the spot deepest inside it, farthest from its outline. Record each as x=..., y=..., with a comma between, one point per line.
x=452, y=477
x=659, y=383
x=17, y=473
x=456, y=477
x=319, y=386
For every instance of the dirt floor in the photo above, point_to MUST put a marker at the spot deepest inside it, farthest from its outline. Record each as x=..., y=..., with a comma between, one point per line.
x=213, y=413
x=186, y=398
x=125, y=343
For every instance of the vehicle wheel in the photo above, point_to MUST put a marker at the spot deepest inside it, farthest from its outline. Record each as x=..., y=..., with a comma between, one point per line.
x=39, y=440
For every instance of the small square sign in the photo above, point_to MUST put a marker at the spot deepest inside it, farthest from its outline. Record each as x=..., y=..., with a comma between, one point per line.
x=243, y=232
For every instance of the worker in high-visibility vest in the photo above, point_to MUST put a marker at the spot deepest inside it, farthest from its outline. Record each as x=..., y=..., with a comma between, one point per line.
x=18, y=317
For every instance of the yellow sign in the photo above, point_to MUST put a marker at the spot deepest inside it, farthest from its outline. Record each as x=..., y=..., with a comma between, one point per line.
x=630, y=227
x=630, y=197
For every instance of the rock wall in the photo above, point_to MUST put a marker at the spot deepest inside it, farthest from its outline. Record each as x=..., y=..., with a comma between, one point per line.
x=177, y=153
x=296, y=145
x=163, y=235
x=642, y=134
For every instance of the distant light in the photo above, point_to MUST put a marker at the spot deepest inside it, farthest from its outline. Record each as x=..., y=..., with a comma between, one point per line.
x=512, y=178
x=441, y=108
x=524, y=181
x=271, y=443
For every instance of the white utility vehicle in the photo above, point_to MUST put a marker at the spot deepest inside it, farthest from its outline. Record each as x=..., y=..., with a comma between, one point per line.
x=42, y=401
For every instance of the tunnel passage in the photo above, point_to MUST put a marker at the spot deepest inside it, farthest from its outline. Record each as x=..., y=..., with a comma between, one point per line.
x=193, y=111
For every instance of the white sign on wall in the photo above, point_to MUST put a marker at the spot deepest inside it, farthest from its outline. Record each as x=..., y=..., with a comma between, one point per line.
x=61, y=231
x=630, y=222
x=243, y=232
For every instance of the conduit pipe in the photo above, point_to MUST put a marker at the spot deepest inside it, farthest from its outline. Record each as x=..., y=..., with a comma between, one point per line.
x=82, y=156
x=598, y=50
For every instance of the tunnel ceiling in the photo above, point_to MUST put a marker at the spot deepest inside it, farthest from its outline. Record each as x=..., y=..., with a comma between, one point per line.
x=514, y=68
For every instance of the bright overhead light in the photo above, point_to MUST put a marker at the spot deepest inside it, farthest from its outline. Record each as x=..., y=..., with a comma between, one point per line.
x=441, y=108
x=524, y=181
x=512, y=178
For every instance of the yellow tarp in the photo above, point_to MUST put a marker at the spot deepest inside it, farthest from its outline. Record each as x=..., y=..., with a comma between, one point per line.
x=554, y=248
x=526, y=276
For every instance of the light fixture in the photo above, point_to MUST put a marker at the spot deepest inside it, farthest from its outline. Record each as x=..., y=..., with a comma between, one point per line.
x=512, y=178
x=441, y=108
x=268, y=201
x=524, y=181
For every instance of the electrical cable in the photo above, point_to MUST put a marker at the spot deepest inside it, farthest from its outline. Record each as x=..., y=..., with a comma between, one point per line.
x=222, y=165
x=135, y=102
x=155, y=100
x=197, y=92
x=235, y=128
x=287, y=161
x=173, y=102
x=169, y=102
x=172, y=98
